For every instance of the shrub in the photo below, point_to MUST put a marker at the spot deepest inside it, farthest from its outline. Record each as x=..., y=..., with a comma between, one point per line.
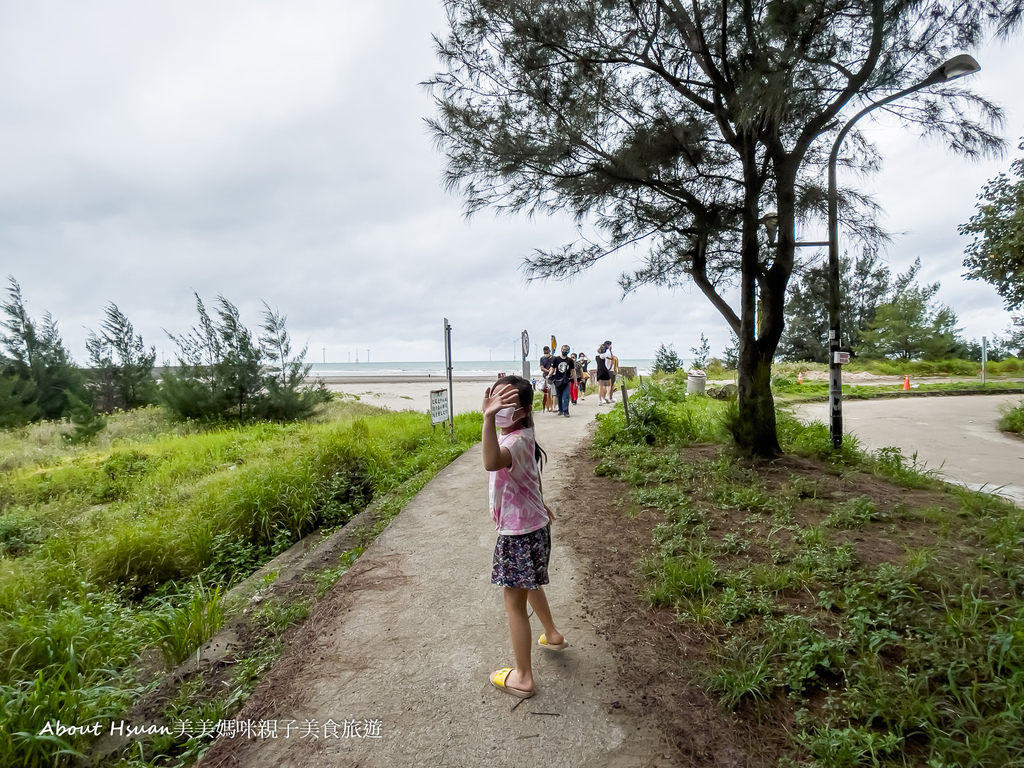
x=1013, y=420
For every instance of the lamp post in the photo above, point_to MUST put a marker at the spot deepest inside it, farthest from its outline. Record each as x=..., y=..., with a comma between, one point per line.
x=956, y=67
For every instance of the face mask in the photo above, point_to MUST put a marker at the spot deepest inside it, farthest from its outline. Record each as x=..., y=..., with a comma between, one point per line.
x=503, y=418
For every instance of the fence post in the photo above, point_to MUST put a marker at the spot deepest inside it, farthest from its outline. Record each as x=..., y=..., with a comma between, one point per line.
x=625, y=404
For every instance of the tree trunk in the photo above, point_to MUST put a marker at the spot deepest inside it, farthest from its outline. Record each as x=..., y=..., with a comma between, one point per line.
x=754, y=429
x=759, y=333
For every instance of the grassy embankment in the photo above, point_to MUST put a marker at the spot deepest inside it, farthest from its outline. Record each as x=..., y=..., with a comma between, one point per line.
x=860, y=609
x=129, y=544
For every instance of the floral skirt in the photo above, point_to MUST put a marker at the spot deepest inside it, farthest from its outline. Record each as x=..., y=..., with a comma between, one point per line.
x=521, y=562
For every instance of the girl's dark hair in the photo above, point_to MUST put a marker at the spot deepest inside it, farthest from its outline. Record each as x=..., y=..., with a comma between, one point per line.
x=525, y=390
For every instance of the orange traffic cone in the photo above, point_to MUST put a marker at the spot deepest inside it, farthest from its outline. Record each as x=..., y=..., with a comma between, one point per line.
x=906, y=383
x=800, y=378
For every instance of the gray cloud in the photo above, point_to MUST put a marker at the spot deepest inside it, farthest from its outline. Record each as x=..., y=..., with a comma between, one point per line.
x=277, y=151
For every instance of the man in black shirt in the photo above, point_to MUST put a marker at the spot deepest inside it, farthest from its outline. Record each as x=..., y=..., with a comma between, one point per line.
x=563, y=372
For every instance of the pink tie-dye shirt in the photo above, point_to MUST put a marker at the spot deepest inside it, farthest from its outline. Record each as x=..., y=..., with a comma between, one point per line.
x=516, y=503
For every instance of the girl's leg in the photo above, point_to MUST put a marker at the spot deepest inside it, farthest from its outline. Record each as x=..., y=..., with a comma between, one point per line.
x=539, y=601
x=519, y=628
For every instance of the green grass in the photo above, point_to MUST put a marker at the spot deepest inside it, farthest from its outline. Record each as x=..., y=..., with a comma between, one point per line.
x=876, y=612
x=1013, y=420
x=127, y=544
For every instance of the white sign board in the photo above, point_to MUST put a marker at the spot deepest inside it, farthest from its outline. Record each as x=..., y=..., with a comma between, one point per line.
x=439, y=410
x=842, y=358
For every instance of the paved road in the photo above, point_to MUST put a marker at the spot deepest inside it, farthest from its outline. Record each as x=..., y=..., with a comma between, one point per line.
x=409, y=636
x=958, y=436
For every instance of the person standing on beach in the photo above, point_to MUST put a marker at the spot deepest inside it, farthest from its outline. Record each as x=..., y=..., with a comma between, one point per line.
x=564, y=370
x=523, y=521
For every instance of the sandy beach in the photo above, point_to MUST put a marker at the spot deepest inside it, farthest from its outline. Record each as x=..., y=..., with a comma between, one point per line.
x=408, y=394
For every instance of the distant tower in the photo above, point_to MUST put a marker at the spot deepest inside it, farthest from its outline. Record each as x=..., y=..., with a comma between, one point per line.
x=325, y=354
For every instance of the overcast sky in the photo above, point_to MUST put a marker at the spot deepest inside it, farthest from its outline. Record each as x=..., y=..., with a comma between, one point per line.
x=276, y=151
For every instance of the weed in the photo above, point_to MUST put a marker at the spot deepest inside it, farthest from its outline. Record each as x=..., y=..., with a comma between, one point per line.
x=853, y=514
x=180, y=626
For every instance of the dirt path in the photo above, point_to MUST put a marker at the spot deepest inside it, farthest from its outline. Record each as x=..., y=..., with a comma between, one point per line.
x=400, y=651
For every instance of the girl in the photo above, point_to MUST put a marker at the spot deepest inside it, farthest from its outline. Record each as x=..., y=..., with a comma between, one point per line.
x=524, y=526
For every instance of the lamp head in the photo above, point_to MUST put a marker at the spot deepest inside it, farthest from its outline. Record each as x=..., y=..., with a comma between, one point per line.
x=958, y=66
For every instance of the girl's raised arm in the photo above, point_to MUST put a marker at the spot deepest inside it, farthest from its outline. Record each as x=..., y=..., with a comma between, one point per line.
x=496, y=398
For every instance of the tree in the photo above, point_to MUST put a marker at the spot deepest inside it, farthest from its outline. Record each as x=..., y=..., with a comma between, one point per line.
x=222, y=372
x=864, y=286
x=731, y=354
x=17, y=401
x=121, y=374
x=701, y=353
x=287, y=396
x=997, y=253
x=666, y=360
x=910, y=326
x=679, y=124
x=34, y=352
x=1014, y=344
x=806, y=334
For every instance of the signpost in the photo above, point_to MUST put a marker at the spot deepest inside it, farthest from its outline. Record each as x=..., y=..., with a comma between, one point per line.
x=526, y=354
x=448, y=368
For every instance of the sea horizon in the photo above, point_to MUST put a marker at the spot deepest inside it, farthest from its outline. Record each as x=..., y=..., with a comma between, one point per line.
x=481, y=368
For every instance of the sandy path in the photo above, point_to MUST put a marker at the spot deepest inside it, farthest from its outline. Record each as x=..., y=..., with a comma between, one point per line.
x=408, y=638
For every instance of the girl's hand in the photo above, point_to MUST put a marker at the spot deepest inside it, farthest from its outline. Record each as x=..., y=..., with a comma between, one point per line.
x=551, y=515
x=496, y=398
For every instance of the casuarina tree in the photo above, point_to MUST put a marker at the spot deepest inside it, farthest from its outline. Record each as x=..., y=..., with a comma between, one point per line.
x=121, y=366
x=680, y=123
x=35, y=362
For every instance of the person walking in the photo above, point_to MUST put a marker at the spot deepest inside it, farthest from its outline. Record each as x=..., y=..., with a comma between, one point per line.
x=563, y=372
x=613, y=370
x=574, y=385
x=584, y=362
x=547, y=401
x=603, y=376
x=523, y=521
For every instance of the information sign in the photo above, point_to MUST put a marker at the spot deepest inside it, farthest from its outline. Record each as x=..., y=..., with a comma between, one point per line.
x=439, y=410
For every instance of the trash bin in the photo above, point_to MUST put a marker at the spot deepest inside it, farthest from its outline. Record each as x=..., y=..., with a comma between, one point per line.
x=695, y=383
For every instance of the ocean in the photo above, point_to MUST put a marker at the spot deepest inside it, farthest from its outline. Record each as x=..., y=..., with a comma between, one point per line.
x=474, y=368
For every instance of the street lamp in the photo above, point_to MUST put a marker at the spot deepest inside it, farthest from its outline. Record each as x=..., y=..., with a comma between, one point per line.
x=956, y=67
